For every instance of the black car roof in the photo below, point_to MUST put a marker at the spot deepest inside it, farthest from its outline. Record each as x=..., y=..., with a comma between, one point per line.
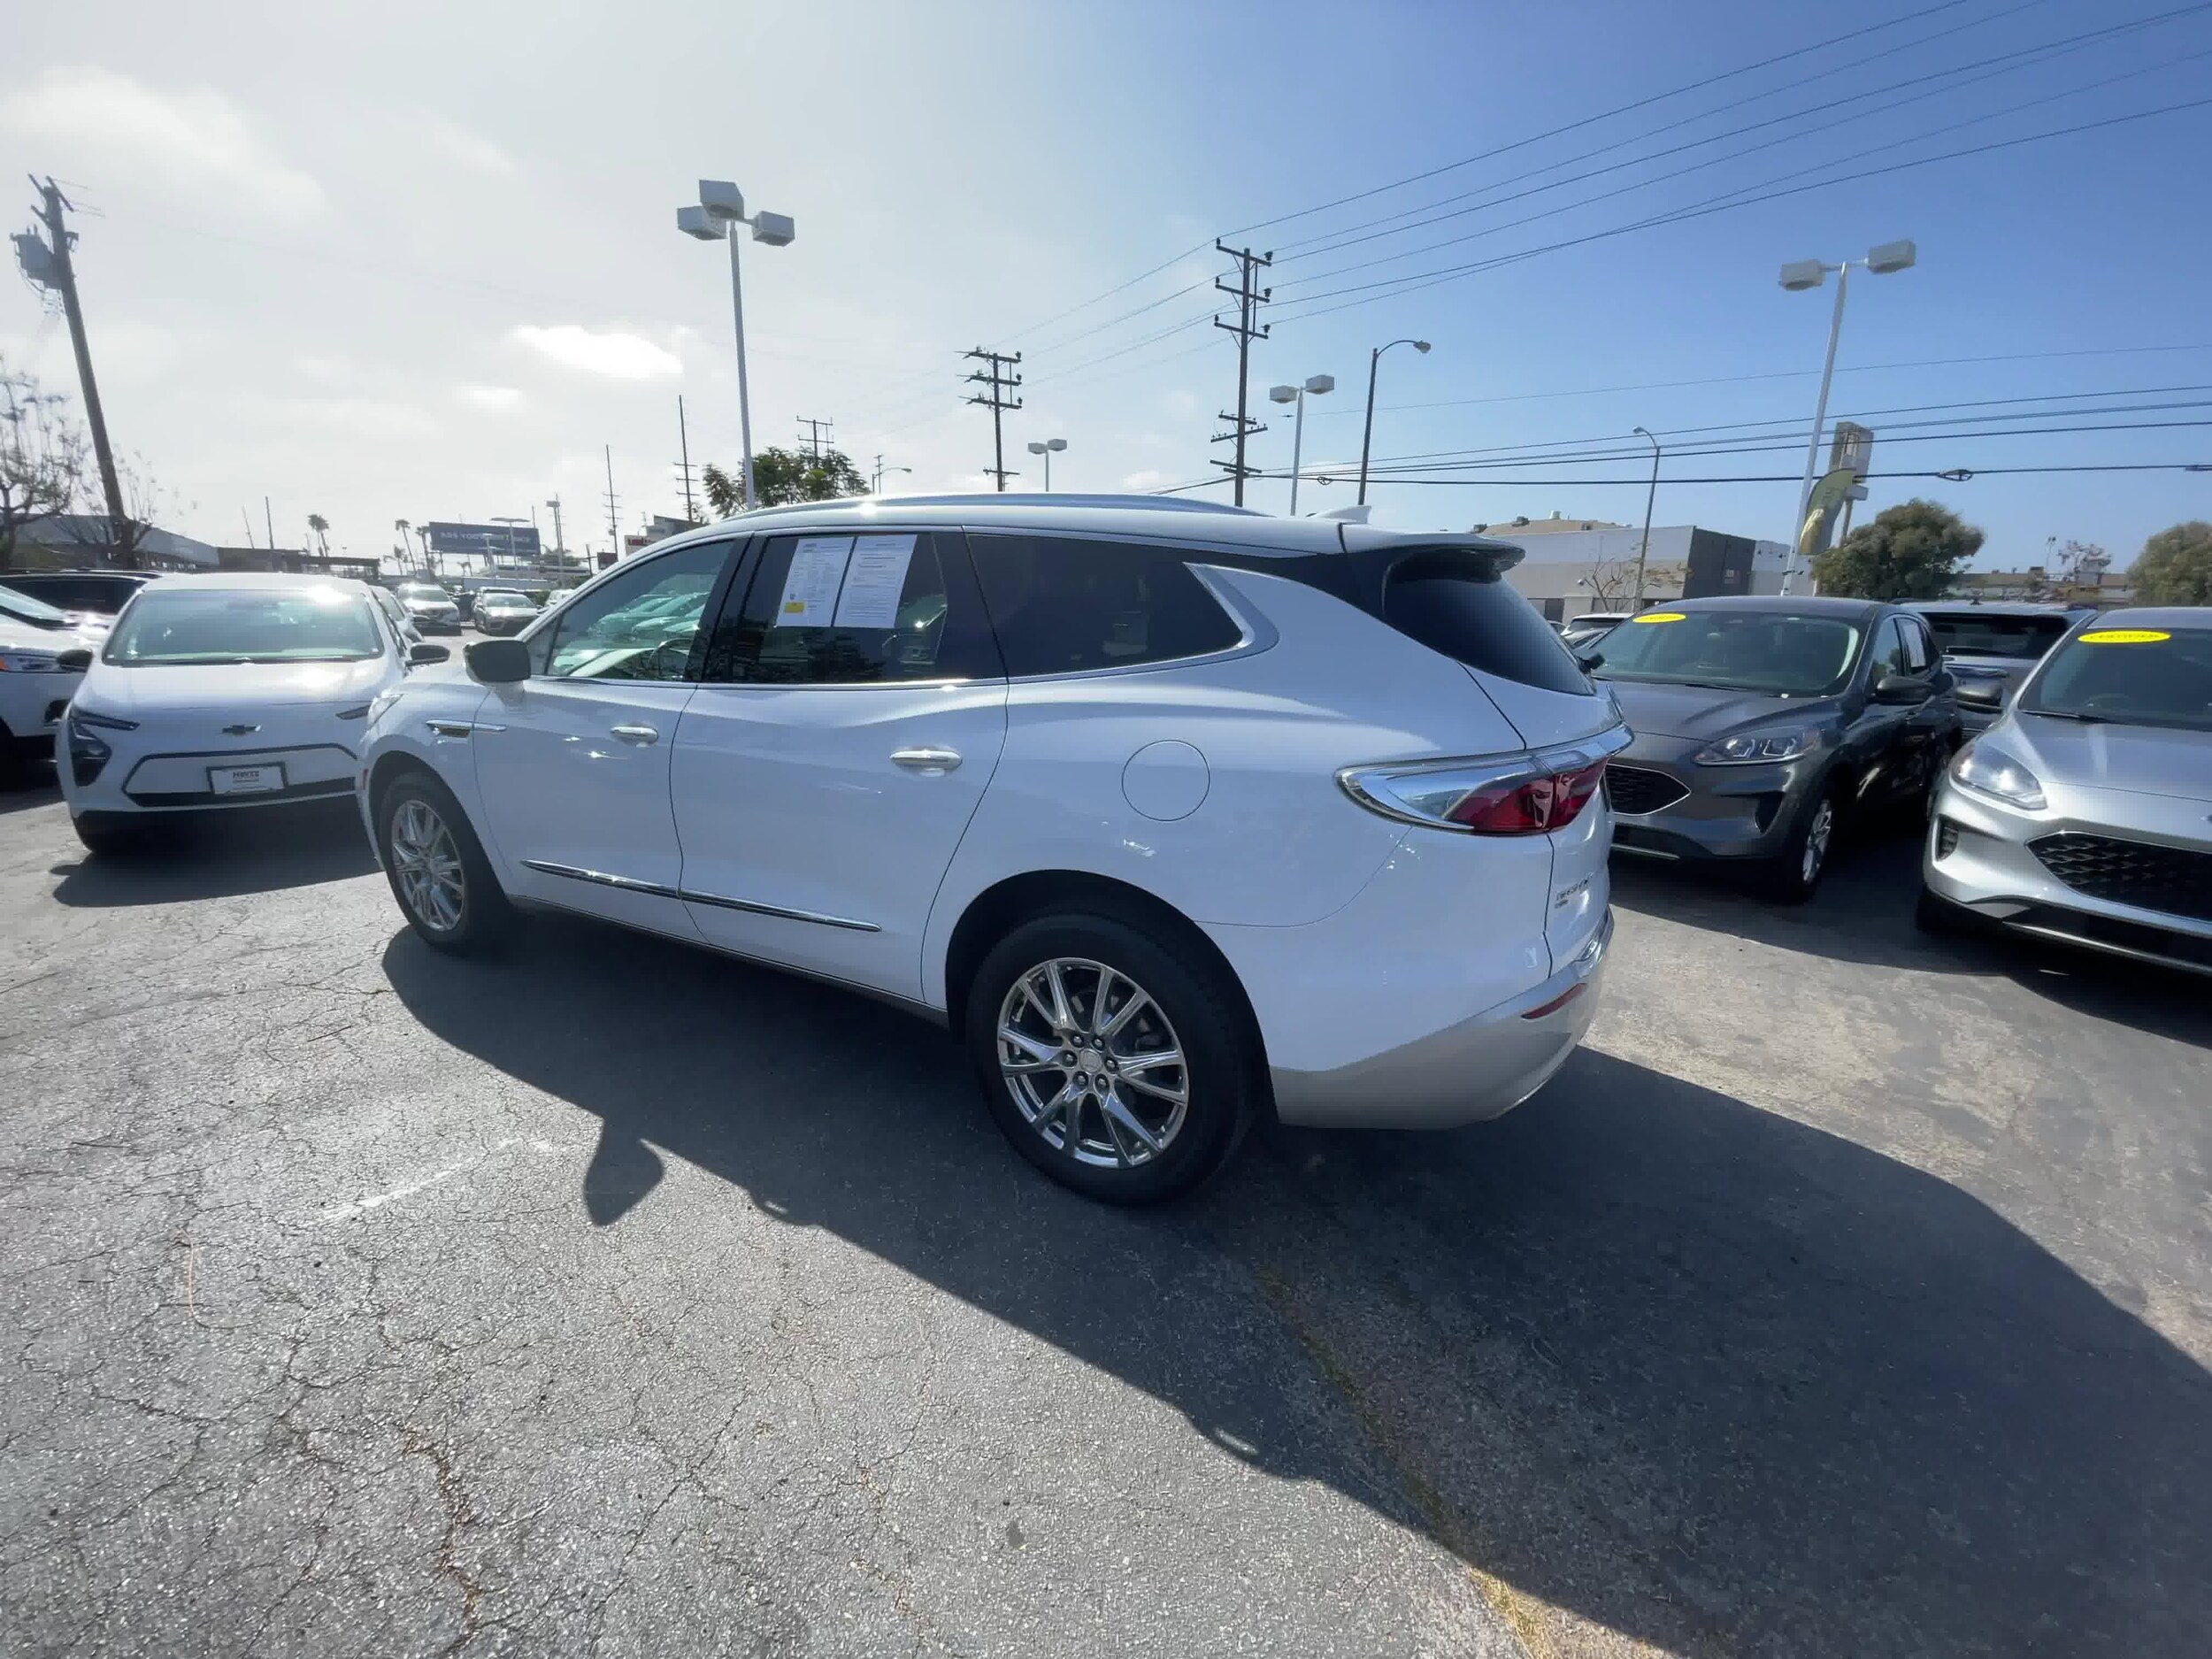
x=1808, y=605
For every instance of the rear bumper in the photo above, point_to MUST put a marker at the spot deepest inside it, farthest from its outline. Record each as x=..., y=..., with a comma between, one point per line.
x=1472, y=1072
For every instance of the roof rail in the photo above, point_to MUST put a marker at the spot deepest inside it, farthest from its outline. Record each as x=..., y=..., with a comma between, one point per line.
x=1024, y=498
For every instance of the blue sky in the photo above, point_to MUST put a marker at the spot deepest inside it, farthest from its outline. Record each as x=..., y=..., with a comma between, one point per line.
x=398, y=261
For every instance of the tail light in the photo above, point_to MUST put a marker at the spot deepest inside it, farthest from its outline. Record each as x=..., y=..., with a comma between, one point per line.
x=1529, y=793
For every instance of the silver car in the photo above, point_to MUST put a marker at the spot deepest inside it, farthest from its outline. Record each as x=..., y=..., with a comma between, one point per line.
x=2086, y=813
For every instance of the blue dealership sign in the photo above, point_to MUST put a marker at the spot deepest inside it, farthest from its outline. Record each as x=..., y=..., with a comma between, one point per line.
x=485, y=541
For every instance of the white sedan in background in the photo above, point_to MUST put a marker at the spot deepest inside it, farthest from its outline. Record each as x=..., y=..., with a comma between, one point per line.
x=224, y=692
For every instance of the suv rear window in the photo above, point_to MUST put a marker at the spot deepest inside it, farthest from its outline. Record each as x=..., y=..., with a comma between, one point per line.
x=1978, y=634
x=1457, y=603
x=1061, y=604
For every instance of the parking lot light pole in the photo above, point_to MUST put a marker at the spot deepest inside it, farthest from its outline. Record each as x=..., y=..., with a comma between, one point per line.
x=722, y=206
x=1050, y=448
x=1367, y=433
x=1298, y=395
x=1798, y=277
x=1643, y=552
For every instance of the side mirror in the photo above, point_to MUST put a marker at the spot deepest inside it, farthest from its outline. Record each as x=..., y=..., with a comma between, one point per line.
x=72, y=662
x=1901, y=689
x=419, y=653
x=1982, y=694
x=1591, y=661
x=499, y=662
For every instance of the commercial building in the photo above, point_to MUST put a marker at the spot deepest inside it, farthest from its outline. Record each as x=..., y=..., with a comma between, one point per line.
x=1574, y=565
x=86, y=541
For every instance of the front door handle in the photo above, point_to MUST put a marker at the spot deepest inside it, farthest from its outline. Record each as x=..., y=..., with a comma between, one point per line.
x=926, y=760
x=641, y=734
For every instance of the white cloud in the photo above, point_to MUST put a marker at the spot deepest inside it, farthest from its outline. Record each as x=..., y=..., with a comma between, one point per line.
x=498, y=399
x=469, y=149
x=1151, y=478
x=612, y=352
x=196, y=138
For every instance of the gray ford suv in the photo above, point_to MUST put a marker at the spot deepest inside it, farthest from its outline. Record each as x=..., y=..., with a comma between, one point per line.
x=1763, y=723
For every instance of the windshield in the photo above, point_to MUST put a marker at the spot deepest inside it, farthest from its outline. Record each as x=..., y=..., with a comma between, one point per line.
x=312, y=624
x=1977, y=633
x=422, y=590
x=1783, y=652
x=2129, y=676
x=37, y=613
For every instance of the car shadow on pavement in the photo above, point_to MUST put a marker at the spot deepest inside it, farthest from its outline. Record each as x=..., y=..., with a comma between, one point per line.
x=1638, y=1352
x=39, y=789
x=1863, y=913
x=223, y=856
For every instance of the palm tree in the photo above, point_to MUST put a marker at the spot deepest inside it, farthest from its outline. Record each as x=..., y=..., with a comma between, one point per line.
x=406, y=557
x=320, y=525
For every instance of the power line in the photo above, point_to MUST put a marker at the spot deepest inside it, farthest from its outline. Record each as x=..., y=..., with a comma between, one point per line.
x=1957, y=474
x=1606, y=115
x=1002, y=379
x=813, y=439
x=1248, y=299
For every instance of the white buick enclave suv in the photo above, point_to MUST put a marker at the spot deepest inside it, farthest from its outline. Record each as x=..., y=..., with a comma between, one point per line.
x=1175, y=814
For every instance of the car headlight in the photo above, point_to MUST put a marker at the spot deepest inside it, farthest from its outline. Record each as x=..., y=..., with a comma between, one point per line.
x=1749, y=747
x=28, y=662
x=92, y=719
x=1987, y=770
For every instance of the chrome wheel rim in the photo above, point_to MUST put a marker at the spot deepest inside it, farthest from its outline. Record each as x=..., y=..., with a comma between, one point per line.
x=428, y=866
x=1816, y=836
x=1093, y=1062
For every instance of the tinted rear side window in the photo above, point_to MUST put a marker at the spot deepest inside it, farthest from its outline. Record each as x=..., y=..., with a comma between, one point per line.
x=1458, y=604
x=1062, y=605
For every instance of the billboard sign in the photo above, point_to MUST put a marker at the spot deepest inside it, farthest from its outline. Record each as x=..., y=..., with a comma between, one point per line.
x=1854, y=448
x=503, y=542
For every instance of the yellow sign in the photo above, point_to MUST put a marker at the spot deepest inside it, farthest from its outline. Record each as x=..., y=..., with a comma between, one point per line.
x=2125, y=636
x=1662, y=616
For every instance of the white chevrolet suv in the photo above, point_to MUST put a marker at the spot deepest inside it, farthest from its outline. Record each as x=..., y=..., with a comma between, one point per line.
x=1174, y=813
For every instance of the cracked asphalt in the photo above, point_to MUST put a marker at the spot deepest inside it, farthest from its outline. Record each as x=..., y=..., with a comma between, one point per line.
x=1851, y=1294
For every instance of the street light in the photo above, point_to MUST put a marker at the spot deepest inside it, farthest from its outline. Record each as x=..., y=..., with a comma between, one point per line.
x=1368, y=433
x=1050, y=448
x=1644, y=552
x=876, y=487
x=722, y=204
x=1297, y=395
x=1797, y=278
x=513, y=557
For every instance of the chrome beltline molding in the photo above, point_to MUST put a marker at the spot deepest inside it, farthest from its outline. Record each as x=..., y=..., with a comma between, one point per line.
x=631, y=884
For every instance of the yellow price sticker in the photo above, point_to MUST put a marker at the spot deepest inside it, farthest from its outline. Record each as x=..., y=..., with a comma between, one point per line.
x=1663, y=616
x=2125, y=636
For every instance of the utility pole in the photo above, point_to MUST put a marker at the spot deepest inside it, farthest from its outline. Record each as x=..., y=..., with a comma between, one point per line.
x=683, y=439
x=1002, y=378
x=268, y=520
x=560, y=548
x=814, y=440
x=614, y=526
x=1248, y=299
x=60, y=274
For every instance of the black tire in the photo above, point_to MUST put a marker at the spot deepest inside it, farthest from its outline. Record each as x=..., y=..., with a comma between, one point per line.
x=480, y=917
x=1793, y=875
x=109, y=834
x=1200, y=1014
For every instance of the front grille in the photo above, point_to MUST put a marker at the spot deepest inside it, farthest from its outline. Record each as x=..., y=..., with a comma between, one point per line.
x=2150, y=877
x=1639, y=789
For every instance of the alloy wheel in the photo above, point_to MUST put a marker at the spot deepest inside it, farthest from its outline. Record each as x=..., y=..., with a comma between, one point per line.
x=1818, y=834
x=1093, y=1062
x=428, y=866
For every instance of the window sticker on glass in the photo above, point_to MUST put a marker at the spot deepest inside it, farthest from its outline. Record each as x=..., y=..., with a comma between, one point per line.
x=1665, y=615
x=2125, y=636
x=810, y=589
x=873, y=582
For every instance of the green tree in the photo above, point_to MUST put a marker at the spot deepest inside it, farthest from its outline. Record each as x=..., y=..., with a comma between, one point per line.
x=2174, y=567
x=1908, y=552
x=783, y=476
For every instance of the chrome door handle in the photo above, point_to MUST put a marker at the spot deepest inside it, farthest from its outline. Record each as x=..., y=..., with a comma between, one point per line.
x=926, y=760
x=635, y=734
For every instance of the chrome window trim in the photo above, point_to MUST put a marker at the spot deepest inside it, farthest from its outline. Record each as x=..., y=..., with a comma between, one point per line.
x=828, y=684
x=655, y=889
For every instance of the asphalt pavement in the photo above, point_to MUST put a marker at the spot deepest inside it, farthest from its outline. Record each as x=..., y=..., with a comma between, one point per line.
x=1850, y=1294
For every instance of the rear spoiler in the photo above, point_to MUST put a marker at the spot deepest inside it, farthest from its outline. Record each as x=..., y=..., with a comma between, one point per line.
x=1500, y=556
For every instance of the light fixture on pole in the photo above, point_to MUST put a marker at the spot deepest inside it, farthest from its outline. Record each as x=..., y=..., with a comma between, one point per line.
x=1049, y=447
x=875, y=487
x=1797, y=278
x=1298, y=395
x=1367, y=432
x=513, y=556
x=721, y=205
x=1644, y=552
